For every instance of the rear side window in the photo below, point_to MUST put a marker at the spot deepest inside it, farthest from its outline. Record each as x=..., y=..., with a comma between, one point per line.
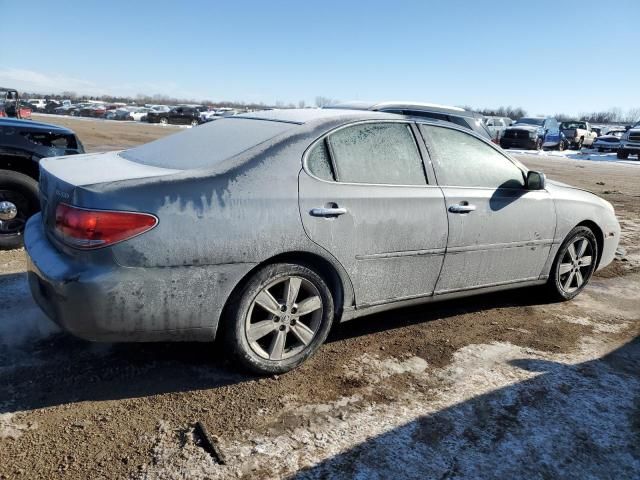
x=463, y=160
x=384, y=153
x=319, y=162
x=208, y=144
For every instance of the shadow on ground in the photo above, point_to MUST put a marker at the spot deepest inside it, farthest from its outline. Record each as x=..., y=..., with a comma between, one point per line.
x=569, y=421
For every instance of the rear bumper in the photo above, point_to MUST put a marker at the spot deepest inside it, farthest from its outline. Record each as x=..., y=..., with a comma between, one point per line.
x=103, y=301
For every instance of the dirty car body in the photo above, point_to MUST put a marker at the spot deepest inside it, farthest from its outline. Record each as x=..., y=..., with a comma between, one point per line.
x=228, y=198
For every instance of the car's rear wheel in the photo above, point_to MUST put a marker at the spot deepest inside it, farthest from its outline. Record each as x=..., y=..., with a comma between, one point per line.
x=164, y=121
x=194, y=123
x=18, y=201
x=622, y=155
x=561, y=146
x=280, y=318
x=574, y=264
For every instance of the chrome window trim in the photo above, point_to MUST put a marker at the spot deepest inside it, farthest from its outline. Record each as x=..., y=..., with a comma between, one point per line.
x=321, y=138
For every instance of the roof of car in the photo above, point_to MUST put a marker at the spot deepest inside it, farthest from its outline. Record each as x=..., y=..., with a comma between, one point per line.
x=301, y=116
x=31, y=125
x=401, y=105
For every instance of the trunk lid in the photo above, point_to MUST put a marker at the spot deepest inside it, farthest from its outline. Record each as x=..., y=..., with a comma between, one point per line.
x=65, y=179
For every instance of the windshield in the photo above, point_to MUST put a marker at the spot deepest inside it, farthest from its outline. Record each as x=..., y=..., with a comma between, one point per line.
x=208, y=144
x=531, y=121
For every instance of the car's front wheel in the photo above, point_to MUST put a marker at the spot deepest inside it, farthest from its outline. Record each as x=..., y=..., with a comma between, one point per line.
x=574, y=264
x=279, y=319
x=18, y=201
x=164, y=121
x=622, y=155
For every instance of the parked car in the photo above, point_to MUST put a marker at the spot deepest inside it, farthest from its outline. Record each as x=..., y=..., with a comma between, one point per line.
x=497, y=125
x=534, y=133
x=69, y=109
x=609, y=142
x=596, y=130
x=275, y=225
x=118, y=114
x=140, y=113
x=578, y=134
x=22, y=144
x=218, y=114
x=51, y=106
x=460, y=116
x=176, y=116
x=37, y=104
x=630, y=143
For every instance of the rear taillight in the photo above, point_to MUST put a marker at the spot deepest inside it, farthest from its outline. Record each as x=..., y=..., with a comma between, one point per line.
x=86, y=229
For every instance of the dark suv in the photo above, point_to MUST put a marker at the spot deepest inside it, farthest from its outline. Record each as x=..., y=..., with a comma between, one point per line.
x=459, y=116
x=176, y=116
x=22, y=144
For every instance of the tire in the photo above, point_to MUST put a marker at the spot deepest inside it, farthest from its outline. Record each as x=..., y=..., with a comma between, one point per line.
x=195, y=123
x=260, y=353
x=578, y=145
x=601, y=150
x=164, y=121
x=561, y=146
x=21, y=191
x=539, y=144
x=622, y=155
x=565, y=284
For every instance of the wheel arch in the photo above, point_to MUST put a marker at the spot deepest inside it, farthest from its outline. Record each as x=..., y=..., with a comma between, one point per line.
x=26, y=167
x=334, y=275
x=597, y=232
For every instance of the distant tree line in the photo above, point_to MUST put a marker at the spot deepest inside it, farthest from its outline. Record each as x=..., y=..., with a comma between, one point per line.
x=613, y=115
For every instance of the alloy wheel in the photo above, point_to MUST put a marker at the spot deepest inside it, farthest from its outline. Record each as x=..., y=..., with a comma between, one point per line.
x=14, y=209
x=576, y=265
x=284, y=318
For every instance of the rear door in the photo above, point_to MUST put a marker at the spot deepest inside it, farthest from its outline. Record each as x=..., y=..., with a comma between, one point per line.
x=499, y=232
x=365, y=198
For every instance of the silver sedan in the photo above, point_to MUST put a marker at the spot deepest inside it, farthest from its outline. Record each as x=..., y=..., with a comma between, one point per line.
x=268, y=228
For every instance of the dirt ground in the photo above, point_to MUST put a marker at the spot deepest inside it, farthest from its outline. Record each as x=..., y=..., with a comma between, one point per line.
x=499, y=386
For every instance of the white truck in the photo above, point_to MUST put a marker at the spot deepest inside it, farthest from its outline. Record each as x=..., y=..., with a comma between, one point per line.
x=578, y=134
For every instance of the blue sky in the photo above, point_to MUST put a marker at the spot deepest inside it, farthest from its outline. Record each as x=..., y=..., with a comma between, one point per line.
x=542, y=55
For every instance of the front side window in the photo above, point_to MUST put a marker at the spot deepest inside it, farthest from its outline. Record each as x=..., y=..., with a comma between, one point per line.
x=462, y=160
x=381, y=153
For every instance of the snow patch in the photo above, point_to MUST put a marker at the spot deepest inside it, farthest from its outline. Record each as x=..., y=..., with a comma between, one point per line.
x=21, y=320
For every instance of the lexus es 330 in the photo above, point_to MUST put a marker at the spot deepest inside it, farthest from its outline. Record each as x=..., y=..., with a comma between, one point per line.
x=267, y=228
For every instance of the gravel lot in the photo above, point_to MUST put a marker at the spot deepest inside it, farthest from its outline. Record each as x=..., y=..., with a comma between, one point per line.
x=501, y=386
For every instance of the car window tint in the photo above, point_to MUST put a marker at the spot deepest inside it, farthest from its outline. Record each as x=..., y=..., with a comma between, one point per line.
x=377, y=153
x=319, y=162
x=463, y=160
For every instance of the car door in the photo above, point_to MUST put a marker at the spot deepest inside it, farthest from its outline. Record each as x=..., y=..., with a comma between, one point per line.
x=364, y=197
x=499, y=232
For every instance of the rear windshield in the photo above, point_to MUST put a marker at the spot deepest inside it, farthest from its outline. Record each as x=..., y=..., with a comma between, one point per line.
x=206, y=145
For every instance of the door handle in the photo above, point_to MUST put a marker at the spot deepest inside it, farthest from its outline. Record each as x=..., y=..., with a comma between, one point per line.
x=462, y=208
x=327, y=212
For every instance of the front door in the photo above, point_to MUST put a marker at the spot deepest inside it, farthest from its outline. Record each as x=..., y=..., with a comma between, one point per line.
x=499, y=232
x=364, y=197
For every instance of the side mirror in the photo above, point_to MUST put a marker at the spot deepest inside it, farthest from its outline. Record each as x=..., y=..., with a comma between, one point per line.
x=536, y=180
